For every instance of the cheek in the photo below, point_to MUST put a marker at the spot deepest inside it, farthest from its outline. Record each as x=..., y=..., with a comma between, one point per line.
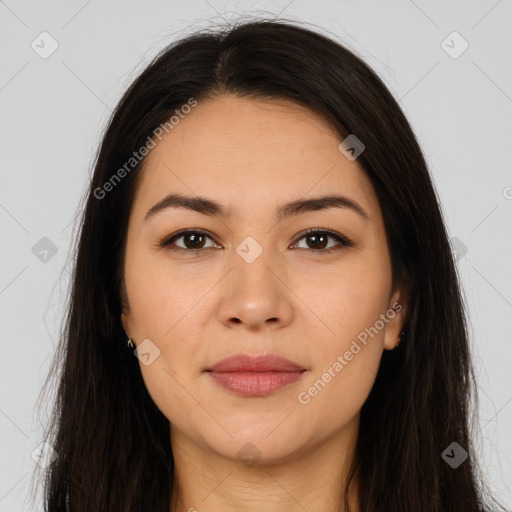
x=160, y=295
x=334, y=395
x=348, y=350
x=168, y=388
x=348, y=298
x=165, y=307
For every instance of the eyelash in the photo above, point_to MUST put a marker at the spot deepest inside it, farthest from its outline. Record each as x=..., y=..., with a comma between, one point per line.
x=344, y=241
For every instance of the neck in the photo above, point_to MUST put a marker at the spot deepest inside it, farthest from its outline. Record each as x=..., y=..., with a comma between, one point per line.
x=207, y=481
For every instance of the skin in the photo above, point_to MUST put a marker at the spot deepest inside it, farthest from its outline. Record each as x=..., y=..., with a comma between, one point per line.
x=252, y=156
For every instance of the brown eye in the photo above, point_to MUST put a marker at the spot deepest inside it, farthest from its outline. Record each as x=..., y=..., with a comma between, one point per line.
x=317, y=240
x=192, y=240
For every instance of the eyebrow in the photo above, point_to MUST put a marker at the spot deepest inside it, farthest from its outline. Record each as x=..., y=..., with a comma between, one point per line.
x=212, y=208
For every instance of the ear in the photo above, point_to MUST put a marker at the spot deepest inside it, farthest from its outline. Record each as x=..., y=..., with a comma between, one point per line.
x=124, y=308
x=124, y=322
x=396, y=314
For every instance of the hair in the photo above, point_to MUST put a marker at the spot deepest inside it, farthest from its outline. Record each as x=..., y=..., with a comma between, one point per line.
x=112, y=442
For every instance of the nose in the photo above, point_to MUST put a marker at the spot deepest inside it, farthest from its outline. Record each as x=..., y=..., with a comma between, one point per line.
x=255, y=296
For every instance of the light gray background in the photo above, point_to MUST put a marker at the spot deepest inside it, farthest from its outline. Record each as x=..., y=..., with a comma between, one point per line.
x=53, y=112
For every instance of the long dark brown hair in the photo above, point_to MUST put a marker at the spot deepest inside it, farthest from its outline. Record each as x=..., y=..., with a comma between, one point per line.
x=113, y=443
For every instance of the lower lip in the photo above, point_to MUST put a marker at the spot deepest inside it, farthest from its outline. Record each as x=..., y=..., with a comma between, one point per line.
x=255, y=383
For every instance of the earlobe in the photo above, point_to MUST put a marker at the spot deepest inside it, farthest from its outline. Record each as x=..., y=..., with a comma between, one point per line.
x=396, y=314
x=124, y=322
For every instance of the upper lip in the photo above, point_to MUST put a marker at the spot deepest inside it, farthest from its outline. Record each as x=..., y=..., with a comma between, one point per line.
x=255, y=363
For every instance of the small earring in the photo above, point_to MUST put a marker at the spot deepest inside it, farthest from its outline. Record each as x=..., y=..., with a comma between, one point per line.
x=129, y=340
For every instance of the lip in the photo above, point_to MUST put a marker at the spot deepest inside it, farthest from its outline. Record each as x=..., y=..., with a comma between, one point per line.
x=256, y=363
x=258, y=375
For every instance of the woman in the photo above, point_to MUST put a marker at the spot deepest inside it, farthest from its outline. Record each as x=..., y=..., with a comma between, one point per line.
x=262, y=233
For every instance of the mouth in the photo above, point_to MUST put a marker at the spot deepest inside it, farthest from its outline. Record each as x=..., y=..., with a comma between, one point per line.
x=253, y=376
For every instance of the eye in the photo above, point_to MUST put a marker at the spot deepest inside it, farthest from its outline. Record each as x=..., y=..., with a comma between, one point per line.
x=193, y=240
x=319, y=238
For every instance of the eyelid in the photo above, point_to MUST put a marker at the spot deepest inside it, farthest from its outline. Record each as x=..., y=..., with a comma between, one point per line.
x=168, y=240
x=341, y=239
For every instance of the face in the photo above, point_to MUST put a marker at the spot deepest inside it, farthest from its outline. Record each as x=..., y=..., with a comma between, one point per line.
x=248, y=279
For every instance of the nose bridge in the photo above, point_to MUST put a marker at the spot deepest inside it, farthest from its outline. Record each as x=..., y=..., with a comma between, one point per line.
x=253, y=295
x=252, y=263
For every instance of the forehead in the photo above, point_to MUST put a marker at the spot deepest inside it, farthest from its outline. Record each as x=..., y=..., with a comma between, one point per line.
x=249, y=153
